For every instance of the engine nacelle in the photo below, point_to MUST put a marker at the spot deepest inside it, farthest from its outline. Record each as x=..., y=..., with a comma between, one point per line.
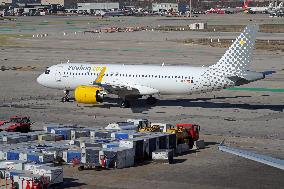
x=88, y=95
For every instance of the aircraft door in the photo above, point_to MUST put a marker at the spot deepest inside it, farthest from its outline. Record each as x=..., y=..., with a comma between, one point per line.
x=58, y=76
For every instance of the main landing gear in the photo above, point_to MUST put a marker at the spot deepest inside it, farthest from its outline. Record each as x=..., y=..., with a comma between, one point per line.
x=66, y=96
x=124, y=103
x=151, y=100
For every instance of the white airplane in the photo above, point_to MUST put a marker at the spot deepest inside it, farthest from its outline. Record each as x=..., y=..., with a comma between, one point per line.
x=257, y=9
x=92, y=82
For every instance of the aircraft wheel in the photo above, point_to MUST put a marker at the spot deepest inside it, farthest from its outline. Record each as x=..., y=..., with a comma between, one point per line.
x=124, y=104
x=65, y=99
x=151, y=100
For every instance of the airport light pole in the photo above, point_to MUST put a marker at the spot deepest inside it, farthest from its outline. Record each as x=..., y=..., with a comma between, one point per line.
x=190, y=9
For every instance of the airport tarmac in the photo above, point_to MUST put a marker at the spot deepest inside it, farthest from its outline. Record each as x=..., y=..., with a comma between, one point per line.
x=246, y=119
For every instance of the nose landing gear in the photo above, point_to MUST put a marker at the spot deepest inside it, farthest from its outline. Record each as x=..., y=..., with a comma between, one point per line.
x=66, y=96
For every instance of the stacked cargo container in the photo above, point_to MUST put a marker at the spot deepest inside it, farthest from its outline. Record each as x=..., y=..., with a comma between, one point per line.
x=28, y=155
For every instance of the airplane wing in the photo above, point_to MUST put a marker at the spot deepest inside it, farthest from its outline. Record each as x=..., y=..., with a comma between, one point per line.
x=278, y=163
x=123, y=88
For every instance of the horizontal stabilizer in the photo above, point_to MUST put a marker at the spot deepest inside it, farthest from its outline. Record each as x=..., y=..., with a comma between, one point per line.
x=268, y=72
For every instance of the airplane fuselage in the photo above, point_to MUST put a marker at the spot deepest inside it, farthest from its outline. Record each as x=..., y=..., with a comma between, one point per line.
x=153, y=78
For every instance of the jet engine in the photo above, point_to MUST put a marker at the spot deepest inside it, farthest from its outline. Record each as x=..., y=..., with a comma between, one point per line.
x=89, y=95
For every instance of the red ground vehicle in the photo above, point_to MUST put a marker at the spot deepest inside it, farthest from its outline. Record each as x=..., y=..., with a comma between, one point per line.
x=192, y=131
x=16, y=124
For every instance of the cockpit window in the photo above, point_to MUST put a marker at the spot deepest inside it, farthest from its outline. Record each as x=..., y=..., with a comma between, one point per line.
x=47, y=71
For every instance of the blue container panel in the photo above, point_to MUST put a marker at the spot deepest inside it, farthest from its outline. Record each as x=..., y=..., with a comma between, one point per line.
x=139, y=149
x=72, y=155
x=121, y=135
x=102, y=141
x=12, y=174
x=101, y=134
x=33, y=158
x=163, y=142
x=62, y=133
x=172, y=141
x=112, y=145
x=152, y=145
x=13, y=155
x=49, y=128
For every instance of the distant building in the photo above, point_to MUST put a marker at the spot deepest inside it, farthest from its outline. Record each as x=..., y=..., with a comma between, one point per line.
x=7, y=2
x=53, y=2
x=159, y=7
x=64, y=3
x=174, y=7
x=97, y=6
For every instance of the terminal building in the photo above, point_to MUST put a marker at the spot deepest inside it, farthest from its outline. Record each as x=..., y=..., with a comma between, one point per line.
x=53, y=2
x=63, y=3
x=89, y=7
x=7, y=2
x=173, y=7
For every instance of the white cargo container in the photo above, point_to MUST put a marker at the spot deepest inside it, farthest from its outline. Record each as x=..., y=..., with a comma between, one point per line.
x=55, y=174
x=116, y=155
x=16, y=165
x=31, y=166
x=163, y=155
x=26, y=179
x=121, y=126
x=10, y=139
x=12, y=164
x=79, y=134
x=88, y=144
x=139, y=122
x=46, y=137
x=90, y=155
x=2, y=154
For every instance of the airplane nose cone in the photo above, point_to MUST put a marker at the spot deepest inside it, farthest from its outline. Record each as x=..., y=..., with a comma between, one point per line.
x=40, y=80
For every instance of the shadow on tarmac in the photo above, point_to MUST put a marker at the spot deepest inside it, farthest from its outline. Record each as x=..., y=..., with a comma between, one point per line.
x=71, y=183
x=139, y=106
